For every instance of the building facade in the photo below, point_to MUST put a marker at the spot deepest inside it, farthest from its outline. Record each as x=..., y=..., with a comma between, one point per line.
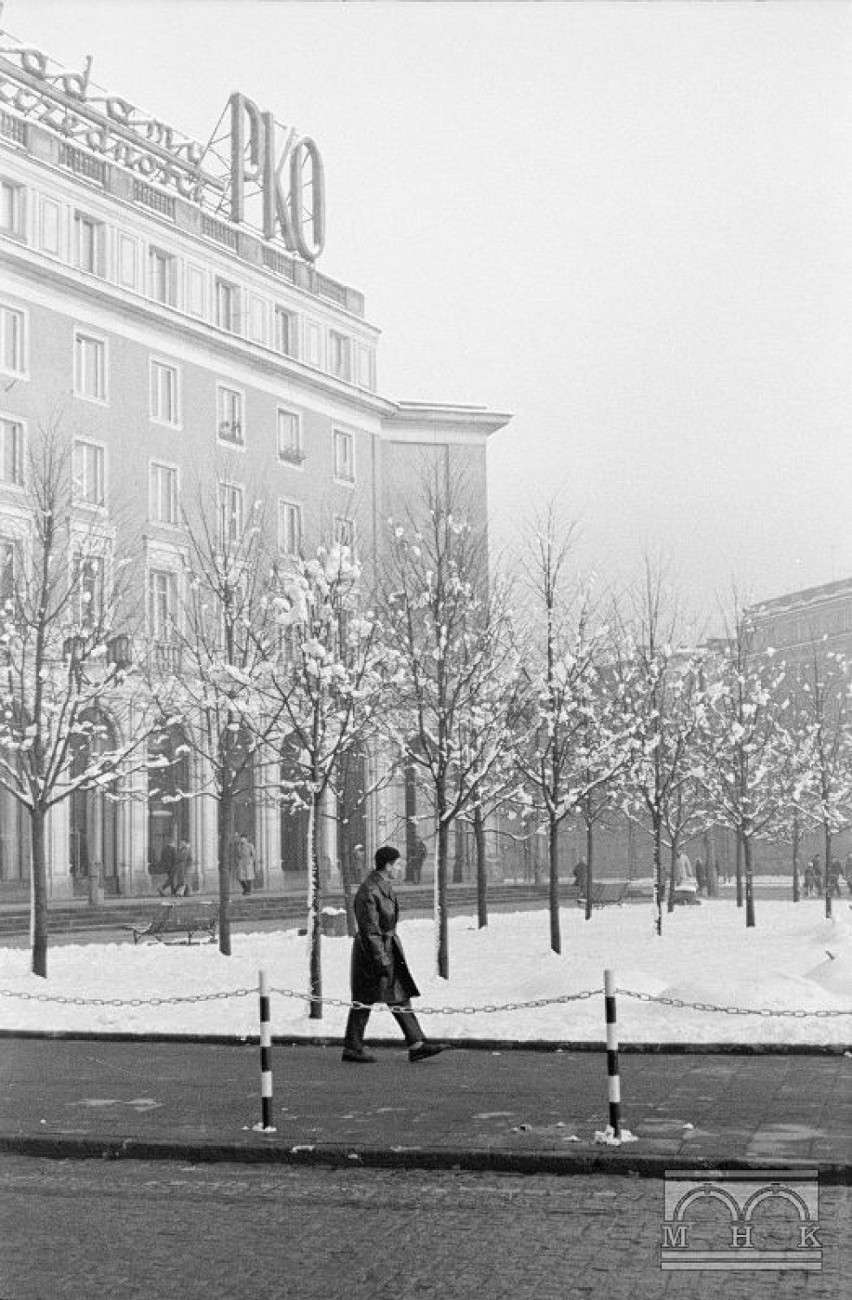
x=160, y=304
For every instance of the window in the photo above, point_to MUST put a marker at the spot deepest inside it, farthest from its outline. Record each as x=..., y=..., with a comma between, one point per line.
x=344, y=456
x=285, y=332
x=194, y=291
x=49, y=231
x=289, y=528
x=10, y=570
x=365, y=368
x=88, y=473
x=289, y=437
x=163, y=494
x=89, y=244
x=344, y=534
x=89, y=589
x=313, y=344
x=162, y=604
x=230, y=416
x=162, y=276
x=226, y=306
x=257, y=319
x=340, y=355
x=126, y=262
x=12, y=208
x=164, y=393
x=12, y=338
x=89, y=367
x=11, y=452
x=230, y=513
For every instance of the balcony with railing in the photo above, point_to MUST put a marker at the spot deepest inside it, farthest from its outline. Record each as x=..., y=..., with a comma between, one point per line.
x=167, y=657
x=292, y=455
x=231, y=431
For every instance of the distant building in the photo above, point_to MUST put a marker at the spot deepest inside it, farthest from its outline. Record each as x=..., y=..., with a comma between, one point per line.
x=814, y=617
x=164, y=294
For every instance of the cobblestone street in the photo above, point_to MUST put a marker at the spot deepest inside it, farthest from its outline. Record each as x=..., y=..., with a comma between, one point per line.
x=88, y=1230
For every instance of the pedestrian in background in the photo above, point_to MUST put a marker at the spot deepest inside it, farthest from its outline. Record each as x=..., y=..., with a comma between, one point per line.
x=183, y=867
x=379, y=971
x=245, y=863
x=167, y=868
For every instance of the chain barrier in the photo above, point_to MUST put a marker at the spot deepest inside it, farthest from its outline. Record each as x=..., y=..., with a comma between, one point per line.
x=125, y=1002
x=487, y=1009
x=730, y=1011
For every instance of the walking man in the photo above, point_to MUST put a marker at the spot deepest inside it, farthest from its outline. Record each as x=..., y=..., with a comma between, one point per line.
x=379, y=970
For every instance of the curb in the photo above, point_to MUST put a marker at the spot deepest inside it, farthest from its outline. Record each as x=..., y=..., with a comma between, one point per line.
x=451, y=1159
x=456, y=1044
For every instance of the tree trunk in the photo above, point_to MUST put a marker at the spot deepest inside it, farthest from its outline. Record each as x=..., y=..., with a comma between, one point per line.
x=315, y=911
x=458, y=853
x=797, y=839
x=659, y=884
x=739, y=869
x=553, y=854
x=670, y=905
x=351, y=927
x=481, y=869
x=590, y=875
x=827, y=836
x=38, y=895
x=749, y=882
x=441, y=847
x=225, y=836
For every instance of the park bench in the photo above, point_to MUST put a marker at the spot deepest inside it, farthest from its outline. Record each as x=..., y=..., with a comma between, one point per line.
x=605, y=893
x=178, y=918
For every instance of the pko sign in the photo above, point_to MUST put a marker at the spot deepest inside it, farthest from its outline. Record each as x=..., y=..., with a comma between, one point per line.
x=290, y=179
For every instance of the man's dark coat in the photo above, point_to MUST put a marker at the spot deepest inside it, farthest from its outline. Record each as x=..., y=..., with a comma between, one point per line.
x=379, y=970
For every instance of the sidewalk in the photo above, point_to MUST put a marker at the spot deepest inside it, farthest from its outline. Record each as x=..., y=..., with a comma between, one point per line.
x=516, y=1111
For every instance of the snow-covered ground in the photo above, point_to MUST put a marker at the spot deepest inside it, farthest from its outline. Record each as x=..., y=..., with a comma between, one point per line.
x=794, y=959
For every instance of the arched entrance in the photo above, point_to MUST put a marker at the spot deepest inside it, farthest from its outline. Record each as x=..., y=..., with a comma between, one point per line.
x=93, y=813
x=168, y=791
x=14, y=842
x=293, y=827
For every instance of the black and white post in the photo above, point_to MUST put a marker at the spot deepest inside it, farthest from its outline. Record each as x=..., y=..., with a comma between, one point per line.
x=614, y=1081
x=265, y=1053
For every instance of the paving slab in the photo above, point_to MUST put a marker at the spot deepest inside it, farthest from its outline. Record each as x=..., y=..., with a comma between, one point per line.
x=514, y=1110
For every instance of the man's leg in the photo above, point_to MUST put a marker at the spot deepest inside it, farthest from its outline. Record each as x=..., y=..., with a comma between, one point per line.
x=418, y=1048
x=353, y=1039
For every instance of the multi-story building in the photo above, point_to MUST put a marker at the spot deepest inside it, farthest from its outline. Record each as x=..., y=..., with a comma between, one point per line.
x=142, y=309
x=801, y=621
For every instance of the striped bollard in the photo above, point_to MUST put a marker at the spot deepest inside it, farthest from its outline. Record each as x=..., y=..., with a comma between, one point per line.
x=265, y=1053
x=614, y=1083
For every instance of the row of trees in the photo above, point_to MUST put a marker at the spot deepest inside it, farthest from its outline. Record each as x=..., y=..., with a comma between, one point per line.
x=522, y=694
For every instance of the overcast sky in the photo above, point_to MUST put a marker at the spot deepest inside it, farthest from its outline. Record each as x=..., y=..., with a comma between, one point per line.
x=626, y=224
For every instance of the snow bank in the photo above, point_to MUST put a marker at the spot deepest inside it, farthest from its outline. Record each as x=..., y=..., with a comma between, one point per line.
x=705, y=955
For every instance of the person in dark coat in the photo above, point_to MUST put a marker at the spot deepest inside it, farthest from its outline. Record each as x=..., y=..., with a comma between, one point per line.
x=379, y=970
x=167, y=867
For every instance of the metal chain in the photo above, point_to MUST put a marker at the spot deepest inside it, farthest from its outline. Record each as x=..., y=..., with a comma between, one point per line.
x=487, y=1009
x=730, y=1011
x=125, y=1002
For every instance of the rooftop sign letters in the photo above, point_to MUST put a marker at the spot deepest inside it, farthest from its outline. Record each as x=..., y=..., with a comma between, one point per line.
x=229, y=175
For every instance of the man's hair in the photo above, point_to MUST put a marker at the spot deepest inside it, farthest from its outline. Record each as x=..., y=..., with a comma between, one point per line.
x=385, y=856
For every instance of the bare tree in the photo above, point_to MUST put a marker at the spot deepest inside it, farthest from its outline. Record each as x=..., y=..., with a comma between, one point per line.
x=66, y=623
x=743, y=765
x=209, y=657
x=456, y=661
x=576, y=743
x=325, y=688
x=822, y=743
x=662, y=684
